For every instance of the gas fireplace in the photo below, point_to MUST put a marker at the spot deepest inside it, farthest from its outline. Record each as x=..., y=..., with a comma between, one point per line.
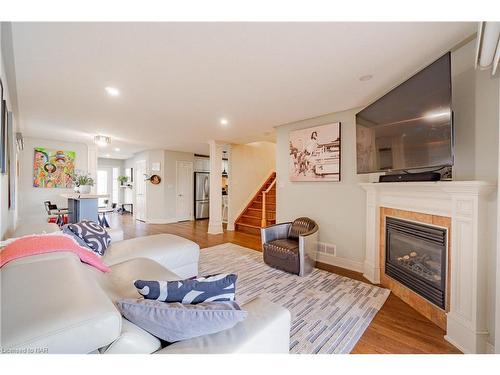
x=416, y=257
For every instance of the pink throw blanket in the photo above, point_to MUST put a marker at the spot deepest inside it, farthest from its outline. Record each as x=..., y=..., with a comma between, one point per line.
x=49, y=243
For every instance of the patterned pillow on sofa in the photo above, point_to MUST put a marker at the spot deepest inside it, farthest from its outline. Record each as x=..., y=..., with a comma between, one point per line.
x=94, y=235
x=177, y=321
x=66, y=230
x=221, y=287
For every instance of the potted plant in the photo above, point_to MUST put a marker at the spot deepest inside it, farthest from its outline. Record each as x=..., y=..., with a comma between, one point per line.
x=83, y=183
x=123, y=180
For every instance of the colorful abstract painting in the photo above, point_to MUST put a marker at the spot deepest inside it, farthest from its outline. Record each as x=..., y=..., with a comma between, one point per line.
x=53, y=168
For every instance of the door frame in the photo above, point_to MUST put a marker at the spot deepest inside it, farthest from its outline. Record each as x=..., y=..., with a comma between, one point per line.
x=190, y=189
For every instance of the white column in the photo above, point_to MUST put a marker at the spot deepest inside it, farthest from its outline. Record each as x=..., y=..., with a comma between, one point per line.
x=230, y=215
x=215, y=208
x=467, y=320
x=92, y=165
x=497, y=284
x=371, y=266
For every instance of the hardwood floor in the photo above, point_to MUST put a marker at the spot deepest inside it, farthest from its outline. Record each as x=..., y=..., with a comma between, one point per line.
x=397, y=328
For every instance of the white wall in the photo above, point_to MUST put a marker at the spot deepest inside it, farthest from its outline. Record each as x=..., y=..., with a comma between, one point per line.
x=8, y=217
x=31, y=199
x=337, y=207
x=497, y=283
x=161, y=198
x=249, y=167
x=475, y=100
x=476, y=104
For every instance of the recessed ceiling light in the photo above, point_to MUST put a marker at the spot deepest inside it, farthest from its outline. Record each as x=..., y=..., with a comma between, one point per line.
x=112, y=91
x=107, y=155
x=365, y=78
x=224, y=121
x=117, y=149
x=102, y=140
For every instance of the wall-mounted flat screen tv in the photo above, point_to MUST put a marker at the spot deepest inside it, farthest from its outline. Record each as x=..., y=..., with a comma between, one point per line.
x=411, y=126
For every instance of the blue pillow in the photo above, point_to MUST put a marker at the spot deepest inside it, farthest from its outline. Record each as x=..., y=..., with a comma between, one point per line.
x=221, y=287
x=176, y=321
x=94, y=235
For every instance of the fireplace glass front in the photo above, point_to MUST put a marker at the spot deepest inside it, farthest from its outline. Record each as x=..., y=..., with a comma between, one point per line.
x=416, y=257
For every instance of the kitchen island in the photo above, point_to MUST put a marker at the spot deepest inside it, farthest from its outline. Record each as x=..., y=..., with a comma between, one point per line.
x=83, y=206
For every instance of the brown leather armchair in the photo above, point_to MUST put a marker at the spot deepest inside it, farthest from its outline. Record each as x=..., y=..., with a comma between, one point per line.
x=291, y=247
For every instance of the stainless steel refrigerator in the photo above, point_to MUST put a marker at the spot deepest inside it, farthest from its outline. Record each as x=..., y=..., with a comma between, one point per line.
x=201, y=194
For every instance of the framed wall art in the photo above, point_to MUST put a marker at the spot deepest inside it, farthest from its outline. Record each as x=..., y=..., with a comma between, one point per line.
x=315, y=153
x=53, y=168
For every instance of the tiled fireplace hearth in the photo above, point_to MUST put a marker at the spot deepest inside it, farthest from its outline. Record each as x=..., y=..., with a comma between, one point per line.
x=440, y=271
x=417, y=271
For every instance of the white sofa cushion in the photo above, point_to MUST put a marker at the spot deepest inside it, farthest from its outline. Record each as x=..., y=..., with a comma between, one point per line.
x=175, y=253
x=265, y=330
x=25, y=229
x=132, y=340
x=116, y=234
x=49, y=301
x=119, y=283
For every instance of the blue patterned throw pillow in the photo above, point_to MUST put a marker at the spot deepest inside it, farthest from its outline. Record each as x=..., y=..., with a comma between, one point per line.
x=94, y=235
x=221, y=287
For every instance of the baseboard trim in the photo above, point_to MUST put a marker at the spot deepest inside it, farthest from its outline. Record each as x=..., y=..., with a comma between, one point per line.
x=490, y=348
x=456, y=345
x=162, y=221
x=345, y=263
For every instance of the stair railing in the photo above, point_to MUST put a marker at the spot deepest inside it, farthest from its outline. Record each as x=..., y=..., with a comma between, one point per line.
x=263, y=221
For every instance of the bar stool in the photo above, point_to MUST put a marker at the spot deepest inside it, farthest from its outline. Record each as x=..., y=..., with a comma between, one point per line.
x=102, y=211
x=53, y=211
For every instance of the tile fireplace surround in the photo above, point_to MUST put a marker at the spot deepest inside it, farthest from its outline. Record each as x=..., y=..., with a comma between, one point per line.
x=465, y=202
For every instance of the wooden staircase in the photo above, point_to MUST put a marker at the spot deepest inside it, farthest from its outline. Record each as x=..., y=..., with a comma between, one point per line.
x=253, y=216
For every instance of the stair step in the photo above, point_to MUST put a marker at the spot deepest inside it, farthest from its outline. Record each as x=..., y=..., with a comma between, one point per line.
x=248, y=228
x=260, y=210
x=268, y=201
x=269, y=206
x=245, y=219
x=250, y=220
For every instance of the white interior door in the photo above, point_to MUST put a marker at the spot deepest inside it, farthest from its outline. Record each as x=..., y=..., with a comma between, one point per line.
x=140, y=190
x=184, y=191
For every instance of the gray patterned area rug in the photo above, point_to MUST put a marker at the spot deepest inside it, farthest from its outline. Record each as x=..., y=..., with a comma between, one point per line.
x=329, y=312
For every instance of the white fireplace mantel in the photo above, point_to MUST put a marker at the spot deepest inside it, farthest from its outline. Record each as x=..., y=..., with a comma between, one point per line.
x=465, y=203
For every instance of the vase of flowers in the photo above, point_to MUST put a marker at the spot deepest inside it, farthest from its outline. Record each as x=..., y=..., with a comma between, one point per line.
x=83, y=183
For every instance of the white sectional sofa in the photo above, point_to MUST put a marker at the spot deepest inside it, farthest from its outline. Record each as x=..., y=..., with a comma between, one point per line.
x=55, y=303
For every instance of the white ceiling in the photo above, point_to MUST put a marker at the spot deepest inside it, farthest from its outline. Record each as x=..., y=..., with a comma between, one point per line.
x=178, y=79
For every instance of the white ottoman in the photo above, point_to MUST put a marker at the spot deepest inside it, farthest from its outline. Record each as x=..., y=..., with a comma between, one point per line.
x=116, y=234
x=175, y=253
